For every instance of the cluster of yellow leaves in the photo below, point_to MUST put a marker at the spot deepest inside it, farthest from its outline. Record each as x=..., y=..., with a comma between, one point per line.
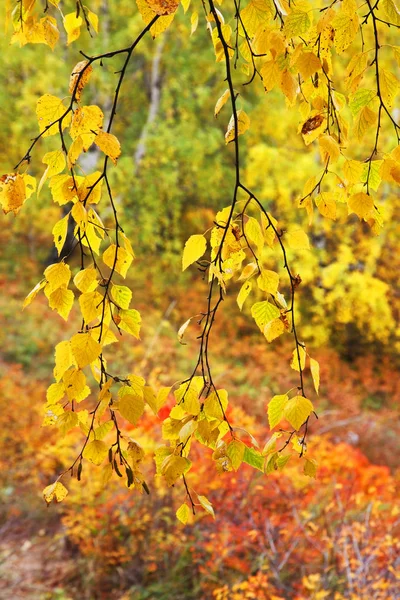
x=296, y=54
x=29, y=28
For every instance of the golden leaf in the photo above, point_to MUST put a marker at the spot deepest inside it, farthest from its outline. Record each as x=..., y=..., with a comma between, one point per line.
x=118, y=259
x=80, y=76
x=84, y=349
x=109, y=144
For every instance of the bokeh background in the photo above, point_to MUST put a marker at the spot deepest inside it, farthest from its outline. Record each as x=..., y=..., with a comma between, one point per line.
x=281, y=536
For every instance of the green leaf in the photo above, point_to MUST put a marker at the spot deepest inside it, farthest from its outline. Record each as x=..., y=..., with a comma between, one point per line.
x=263, y=313
x=235, y=451
x=276, y=407
x=130, y=322
x=253, y=458
x=121, y=295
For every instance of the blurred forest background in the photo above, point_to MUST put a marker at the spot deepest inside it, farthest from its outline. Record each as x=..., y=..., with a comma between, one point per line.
x=275, y=537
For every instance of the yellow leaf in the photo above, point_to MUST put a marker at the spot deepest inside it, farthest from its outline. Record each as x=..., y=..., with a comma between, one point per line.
x=275, y=410
x=254, y=235
x=221, y=102
x=308, y=64
x=235, y=451
x=62, y=189
x=298, y=363
x=84, y=349
x=174, y=467
x=130, y=321
x=59, y=232
x=67, y=421
x=310, y=467
x=270, y=74
x=243, y=293
x=255, y=14
x=206, y=504
x=297, y=410
x=326, y=204
x=86, y=280
x=93, y=20
x=297, y=22
x=353, y=170
x=33, y=293
x=215, y=405
x=109, y=144
x=289, y=86
x=80, y=216
x=121, y=295
x=148, y=15
x=56, y=163
x=49, y=110
x=187, y=431
x=37, y=32
x=136, y=385
x=163, y=7
x=55, y=392
x=270, y=446
x=95, y=451
x=80, y=75
x=90, y=191
x=274, y=329
x=12, y=192
x=298, y=240
x=72, y=25
x=183, y=513
x=194, y=20
x=155, y=402
x=389, y=86
x=268, y=281
x=243, y=125
x=91, y=304
x=127, y=244
x=194, y=249
x=75, y=150
x=86, y=122
x=117, y=259
x=182, y=329
x=63, y=359
x=312, y=128
x=62, y=301
x=56, y=491
x=346, y=27
x=263, y=313
x=362, y=204
x=248, y=271
x=364, y=120
x=75, y=385
x=131, y=408
x=314, y=367
x=57, y=275
x=329, y=149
